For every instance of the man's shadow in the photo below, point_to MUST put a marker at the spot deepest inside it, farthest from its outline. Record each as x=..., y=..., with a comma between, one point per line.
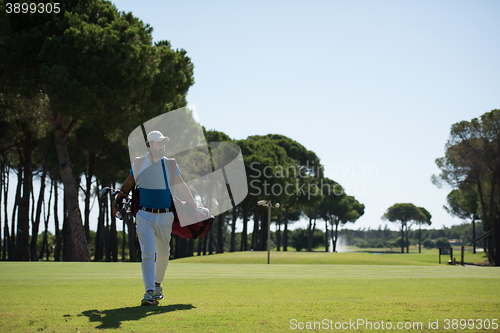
x=113, y=318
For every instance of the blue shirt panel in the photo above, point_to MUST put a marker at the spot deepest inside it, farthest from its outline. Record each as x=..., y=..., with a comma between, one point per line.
x=152, y=190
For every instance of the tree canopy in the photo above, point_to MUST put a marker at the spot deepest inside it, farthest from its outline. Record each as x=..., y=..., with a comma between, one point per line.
x=95, y=65
x=404, y=213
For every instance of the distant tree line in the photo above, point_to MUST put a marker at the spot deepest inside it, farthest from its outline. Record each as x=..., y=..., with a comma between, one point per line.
x=386, y=238
x=363, y=238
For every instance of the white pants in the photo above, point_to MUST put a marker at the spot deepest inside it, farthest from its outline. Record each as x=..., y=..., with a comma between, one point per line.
x=154, y=231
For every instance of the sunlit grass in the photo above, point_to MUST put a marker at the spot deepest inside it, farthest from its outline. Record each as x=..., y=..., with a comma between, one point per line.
x=225, y=297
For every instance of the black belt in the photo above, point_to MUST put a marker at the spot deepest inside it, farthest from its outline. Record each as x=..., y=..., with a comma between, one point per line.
x=155, y=210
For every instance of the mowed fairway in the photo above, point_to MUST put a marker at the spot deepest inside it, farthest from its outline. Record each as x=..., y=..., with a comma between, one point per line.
x=216, y=297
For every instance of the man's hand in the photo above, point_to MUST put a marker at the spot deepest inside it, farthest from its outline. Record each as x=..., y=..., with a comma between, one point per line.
x=125, y=189
x=119, y=201
x=203, y=211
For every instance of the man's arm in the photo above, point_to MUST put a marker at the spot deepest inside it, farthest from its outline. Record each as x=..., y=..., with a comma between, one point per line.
x=184, y=191
x=186, y=194
x=127, y=186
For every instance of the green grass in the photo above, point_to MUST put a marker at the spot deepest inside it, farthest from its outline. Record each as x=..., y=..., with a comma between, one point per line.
x=245, y=296
x=426, y=258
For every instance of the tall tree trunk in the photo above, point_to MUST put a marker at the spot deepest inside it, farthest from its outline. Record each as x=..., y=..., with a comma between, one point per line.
x=419, y=237
x=258, y=239
x=407, y=241
x=210, y=241
x=45, y=249
x=255, y=232
x=113, y=232
x=285, y=231
x=36, y=223
x=131, y=238
x=107, y=238
x=403, y=236
x=123, y=238
x=220, y=235
x=495, y=217
x=78, y=249
x=205, y=243
x=497, y=241
x=336, y=235
x=17, y=201
x=244, y=233
x=23, y=218
x=200, y=245
x=99, y=239
x=278, y=235
x=497, y=226
x=332, y=239
x=2, y=183
x=326, y=236
x=264, y=225
x=190, y=247
x=6, y=232
x=177, y=247
x=485, y=218
x=232, y=248
x=32, y=205
x=57, y=248
x=66, y=241
x=88, y=193
x=491, y=238
x=309, y=234
x=473, y=233
x=183, y=247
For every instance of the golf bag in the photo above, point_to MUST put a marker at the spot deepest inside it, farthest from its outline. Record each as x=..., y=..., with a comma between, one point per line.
x=187, y=213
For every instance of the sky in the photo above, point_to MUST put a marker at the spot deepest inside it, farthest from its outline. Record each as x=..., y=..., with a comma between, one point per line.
x=372, y=87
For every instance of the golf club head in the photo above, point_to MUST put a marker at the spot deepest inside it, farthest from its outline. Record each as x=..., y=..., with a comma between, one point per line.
x=104, y=192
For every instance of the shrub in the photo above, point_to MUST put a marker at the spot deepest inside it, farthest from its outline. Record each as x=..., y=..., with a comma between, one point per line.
x=429, y=244
x=299, y=239
x=361, y=244
x=442, y=242
x=392, y=244
x=398, y=242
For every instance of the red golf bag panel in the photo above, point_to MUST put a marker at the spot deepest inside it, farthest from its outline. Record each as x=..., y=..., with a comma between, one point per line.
x=189, y=214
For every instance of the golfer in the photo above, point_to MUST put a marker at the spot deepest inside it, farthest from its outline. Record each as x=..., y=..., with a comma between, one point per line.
x=154, y=218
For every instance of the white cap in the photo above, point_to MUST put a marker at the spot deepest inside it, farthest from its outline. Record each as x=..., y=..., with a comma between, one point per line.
x=157, y=136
